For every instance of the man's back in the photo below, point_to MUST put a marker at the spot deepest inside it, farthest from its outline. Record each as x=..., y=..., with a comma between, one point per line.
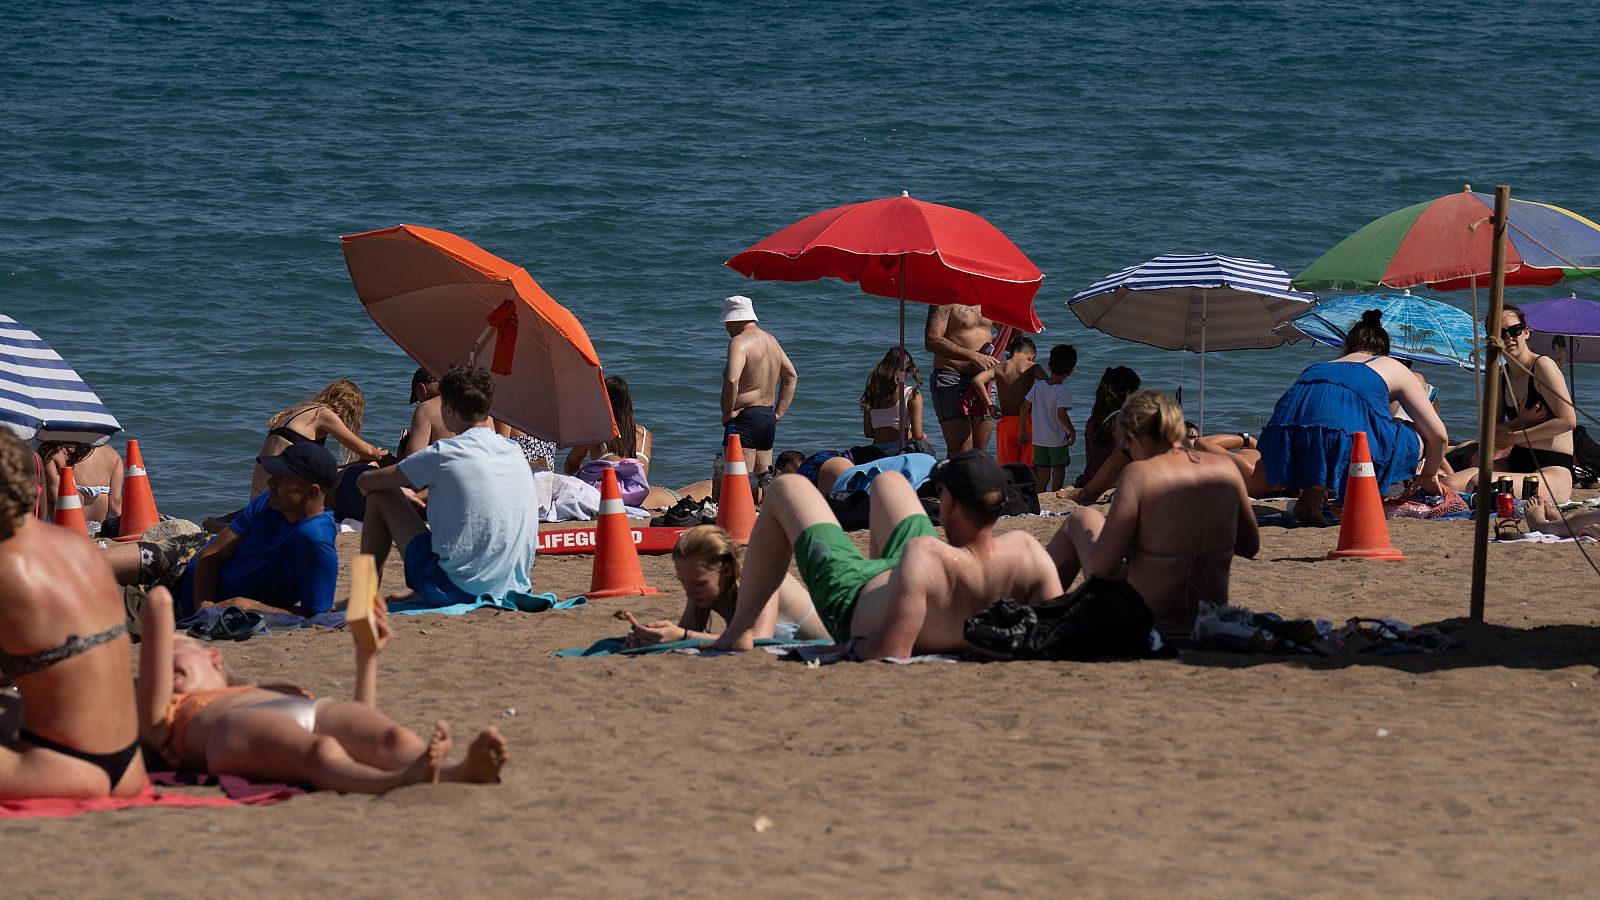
x=482, y=510
x=757, y=355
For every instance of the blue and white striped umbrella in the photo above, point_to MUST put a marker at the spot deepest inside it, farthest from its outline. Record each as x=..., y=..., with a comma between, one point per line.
x=41, y=397
x=1193, y=302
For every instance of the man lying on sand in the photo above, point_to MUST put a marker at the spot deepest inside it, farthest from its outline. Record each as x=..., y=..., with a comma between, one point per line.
x=916, y=592
x=189, y=711
x=1545, y=517
x=277, y=554
x=1175, y=524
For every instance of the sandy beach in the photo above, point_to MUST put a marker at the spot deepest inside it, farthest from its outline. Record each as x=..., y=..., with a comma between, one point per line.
x=1469, y=773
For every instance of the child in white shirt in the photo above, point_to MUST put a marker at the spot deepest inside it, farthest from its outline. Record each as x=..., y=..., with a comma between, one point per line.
x=1047, y=423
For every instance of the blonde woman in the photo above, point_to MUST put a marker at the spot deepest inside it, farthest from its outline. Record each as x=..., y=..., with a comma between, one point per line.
x=1178, y=519
x=335, y=411
x=708, y=564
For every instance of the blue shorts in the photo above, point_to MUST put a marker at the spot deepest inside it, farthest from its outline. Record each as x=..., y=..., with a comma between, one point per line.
x=424, y=575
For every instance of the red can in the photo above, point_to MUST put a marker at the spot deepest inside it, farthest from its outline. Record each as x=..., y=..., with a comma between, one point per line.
x=1506, y=506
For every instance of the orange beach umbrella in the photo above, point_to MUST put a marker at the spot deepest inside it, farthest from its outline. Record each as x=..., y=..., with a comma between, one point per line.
x=445, y=301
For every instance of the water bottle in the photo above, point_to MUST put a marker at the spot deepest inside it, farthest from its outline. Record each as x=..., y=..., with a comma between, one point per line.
x=716, y=478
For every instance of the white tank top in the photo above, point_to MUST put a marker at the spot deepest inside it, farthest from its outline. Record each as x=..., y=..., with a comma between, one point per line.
x=889, y=416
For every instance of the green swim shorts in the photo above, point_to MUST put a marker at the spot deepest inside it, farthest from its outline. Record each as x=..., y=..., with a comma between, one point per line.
x=834, y=570
x=1052, y=457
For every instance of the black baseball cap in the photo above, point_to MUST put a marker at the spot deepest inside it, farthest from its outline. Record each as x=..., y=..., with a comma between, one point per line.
x=418, y=379
x=974, y=479
x=304, y=459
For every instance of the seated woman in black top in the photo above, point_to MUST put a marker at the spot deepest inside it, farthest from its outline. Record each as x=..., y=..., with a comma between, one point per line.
x=1537, y=418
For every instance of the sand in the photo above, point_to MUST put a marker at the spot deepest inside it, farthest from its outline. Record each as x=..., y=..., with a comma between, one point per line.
x=1470, y=773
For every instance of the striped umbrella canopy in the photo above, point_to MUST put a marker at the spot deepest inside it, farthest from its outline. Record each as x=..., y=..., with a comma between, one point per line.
x=1419, y=328
x=1445, y=245
x=1193, y=302
x=41, y=397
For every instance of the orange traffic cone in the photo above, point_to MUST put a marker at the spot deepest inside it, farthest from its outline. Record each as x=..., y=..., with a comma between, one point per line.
x=1363, y=532
x=736, y=509
x=138, y=503
x=616, y=562
x=69, y=506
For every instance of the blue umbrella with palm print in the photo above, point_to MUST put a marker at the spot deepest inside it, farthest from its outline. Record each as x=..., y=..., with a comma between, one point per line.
x=1419, y=328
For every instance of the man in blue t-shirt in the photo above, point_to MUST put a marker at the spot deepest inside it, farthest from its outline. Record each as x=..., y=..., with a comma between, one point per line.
x=483, y=508
x=276, y=555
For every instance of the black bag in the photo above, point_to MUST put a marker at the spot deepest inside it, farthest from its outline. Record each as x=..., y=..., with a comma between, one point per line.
x=1022, y=494
x=1585, y=456
x=853, y=509
x=1103, y=619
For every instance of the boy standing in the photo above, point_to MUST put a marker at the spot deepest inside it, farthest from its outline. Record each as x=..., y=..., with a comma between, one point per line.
x=1015, y=378
x=1047, y=423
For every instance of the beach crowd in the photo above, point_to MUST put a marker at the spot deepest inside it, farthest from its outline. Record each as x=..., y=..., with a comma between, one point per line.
x=462, y=499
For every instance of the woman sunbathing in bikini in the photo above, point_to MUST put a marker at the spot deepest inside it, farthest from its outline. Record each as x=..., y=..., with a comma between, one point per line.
x=190, y=709
x=1178, y=519
x=708, y=563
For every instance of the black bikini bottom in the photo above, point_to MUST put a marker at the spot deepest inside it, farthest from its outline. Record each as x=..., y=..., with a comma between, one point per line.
x=115, y=765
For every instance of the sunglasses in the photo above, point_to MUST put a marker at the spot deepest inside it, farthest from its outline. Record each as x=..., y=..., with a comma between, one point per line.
x=1517, y=330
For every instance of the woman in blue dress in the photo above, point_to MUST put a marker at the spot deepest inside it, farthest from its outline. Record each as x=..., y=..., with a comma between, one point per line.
x=1306, y=445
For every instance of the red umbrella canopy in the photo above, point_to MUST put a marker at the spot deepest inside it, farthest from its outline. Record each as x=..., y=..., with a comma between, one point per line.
x=948, y=255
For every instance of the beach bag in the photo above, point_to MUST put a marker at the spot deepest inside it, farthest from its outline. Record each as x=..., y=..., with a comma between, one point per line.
x=1414, y=504
x=630, y=477
x=1022, y=495
x=1585, y=457
x=1104, y=618
x=853, y=508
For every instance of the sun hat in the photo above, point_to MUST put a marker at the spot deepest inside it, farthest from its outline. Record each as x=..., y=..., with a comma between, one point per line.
x=739, y=309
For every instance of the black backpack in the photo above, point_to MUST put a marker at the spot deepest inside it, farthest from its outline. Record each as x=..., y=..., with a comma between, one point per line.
x=1585, y=457
x=1022, y=493
x=1103, y=619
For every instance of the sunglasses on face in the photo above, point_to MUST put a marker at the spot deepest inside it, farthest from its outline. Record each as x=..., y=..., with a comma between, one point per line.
x=1512, y=331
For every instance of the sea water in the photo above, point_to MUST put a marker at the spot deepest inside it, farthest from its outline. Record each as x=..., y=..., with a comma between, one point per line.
x=174, y=178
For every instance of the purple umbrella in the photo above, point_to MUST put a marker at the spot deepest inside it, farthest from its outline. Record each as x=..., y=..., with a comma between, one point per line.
x=1560, y=328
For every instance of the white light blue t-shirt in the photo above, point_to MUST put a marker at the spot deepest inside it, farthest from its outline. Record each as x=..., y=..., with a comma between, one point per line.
x=483, y=510
x=1046, y=399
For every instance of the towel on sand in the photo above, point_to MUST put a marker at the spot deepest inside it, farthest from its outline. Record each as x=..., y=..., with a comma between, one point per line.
x=62, y=807
x=615, y=647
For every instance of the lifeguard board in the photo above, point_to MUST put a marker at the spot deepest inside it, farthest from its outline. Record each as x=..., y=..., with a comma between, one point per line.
x=581, y=540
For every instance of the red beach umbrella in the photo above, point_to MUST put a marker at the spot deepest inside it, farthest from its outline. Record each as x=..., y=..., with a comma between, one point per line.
x=907, y=249
x=445, y=300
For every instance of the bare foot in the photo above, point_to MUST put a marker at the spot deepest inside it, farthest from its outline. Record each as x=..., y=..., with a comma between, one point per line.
x=426, y=766
x=1308, y=509
x=486, y=755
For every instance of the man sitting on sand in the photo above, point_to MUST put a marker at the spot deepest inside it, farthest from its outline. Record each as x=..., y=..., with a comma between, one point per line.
x=915, y=593
x=1175, y=524
x=276, y=555
x=482, y=504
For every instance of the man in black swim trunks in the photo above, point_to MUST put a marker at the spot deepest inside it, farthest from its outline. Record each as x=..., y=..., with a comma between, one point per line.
x=758, y=385
x=912, y=593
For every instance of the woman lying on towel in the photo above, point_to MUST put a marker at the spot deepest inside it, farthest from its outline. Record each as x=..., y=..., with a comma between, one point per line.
x=708, y=563
x=1178, y=518
x=194, y=713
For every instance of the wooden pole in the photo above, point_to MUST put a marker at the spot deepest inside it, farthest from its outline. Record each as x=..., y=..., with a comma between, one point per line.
x=1489, y=413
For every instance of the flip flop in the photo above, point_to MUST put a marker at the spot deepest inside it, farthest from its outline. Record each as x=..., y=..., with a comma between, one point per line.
x=234, y=624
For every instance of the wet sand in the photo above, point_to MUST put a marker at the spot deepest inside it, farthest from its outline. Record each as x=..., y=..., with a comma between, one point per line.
x=1469, y=773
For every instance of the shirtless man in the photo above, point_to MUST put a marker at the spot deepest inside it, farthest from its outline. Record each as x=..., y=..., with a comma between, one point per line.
x=916, y=592
x=757, y=387
x=64, y=642
x=1178, y=519
x=956, y=335
x=1013, y=379
x=427, y=421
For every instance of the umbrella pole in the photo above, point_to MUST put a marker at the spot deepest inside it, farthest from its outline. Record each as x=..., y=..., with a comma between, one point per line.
x=1477, y=379
x=1202, y=422
x=1491, y=404
x=899, y=377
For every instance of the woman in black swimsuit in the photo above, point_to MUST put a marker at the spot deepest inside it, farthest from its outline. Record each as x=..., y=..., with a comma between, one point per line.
x=64, y=642
x=336, y=410
x=1537, y=417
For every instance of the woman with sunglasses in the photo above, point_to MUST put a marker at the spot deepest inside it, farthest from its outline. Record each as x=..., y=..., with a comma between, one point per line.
x=1537, y=417
x=1306, y=444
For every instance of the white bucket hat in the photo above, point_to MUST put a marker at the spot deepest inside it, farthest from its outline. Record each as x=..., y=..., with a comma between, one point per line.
x=739, y=309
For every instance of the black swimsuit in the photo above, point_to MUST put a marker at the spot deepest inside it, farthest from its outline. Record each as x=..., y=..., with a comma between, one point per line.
x=295, y=437
x=12, y=667
x=1522, y=458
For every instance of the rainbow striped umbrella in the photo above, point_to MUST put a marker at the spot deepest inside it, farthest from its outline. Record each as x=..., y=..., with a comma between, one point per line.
x=1445, y=243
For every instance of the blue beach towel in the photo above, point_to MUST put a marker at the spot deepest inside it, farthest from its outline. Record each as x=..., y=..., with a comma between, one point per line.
x=514, y=602
x=914, y=466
